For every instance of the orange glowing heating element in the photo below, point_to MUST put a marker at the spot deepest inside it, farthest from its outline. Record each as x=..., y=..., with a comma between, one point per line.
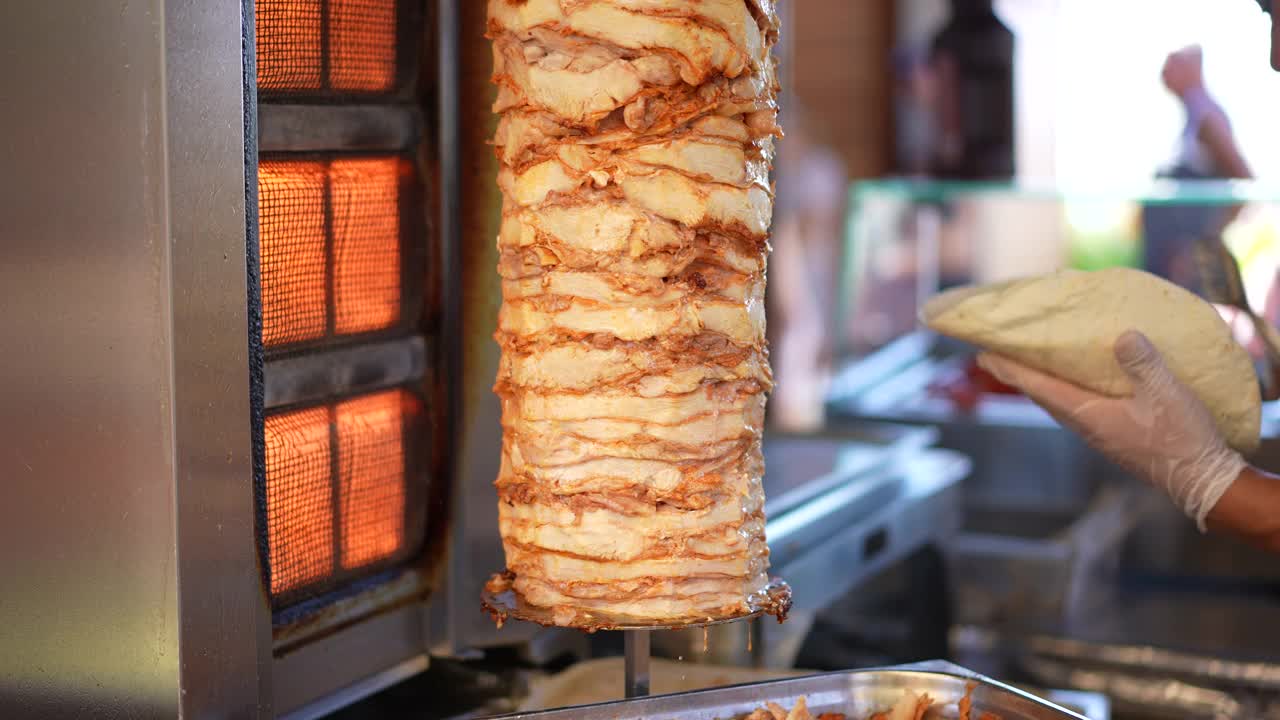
x=371, y=477
x=288, y=40
x=291, y=229
x=362, y=45
x=299, y=498
x=366, y=243
x=321, y=526
x=330, y=243
x=345, y=46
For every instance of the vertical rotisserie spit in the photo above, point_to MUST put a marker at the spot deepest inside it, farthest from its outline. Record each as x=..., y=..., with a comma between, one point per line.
x=635, y=141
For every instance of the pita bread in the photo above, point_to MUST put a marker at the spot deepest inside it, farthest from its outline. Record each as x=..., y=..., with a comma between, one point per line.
x=1066, y=324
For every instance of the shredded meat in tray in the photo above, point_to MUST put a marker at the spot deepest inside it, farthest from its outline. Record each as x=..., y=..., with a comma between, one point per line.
x=910, y=707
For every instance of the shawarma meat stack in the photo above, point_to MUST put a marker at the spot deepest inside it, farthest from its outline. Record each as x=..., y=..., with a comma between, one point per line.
x=635, y=142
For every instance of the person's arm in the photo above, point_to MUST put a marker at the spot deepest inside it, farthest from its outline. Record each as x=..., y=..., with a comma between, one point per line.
x=1218, y=138
x=1249, y=508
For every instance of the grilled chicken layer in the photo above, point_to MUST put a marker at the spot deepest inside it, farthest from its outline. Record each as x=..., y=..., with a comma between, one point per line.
x=636, y=139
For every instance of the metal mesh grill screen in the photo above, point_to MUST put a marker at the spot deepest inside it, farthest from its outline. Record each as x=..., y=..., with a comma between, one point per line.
x=362, y=44
x=371, y=478
x=341, y=486
x=299, y=498
x=288, y=41
x=291, y=228
x=338, y=491
x=330, y=239
x=366, y=244
x=320, y=46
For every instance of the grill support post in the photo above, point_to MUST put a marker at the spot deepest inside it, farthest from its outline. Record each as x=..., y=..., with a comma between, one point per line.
x=636, y=651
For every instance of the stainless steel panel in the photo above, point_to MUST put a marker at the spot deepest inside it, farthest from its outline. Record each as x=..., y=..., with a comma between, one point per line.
x=856, y=693
x=87, y=522
x=304, y=679
x=360, y=690
x=131, y=586
x=225, y=624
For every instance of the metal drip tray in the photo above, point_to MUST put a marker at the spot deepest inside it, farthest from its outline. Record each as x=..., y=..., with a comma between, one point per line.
x=857, y=693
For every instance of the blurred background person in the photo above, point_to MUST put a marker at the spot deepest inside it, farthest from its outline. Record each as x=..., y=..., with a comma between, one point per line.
x=1206, y=150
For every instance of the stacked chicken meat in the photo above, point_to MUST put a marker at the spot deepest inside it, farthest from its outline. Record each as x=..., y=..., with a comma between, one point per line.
x=635, y=142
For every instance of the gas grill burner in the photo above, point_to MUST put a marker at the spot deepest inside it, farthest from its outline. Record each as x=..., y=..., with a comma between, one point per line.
x=342, y=248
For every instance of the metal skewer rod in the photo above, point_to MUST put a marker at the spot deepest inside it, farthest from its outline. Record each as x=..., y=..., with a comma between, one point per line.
x=636, y=650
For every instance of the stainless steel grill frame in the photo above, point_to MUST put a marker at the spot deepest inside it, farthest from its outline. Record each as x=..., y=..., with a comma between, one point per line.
x=128, y=523
x=133, y=388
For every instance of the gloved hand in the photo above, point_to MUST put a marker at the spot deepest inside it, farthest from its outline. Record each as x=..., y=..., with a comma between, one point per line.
x=1162, y=434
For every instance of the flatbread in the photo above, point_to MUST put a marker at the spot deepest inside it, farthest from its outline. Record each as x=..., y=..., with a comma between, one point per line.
x=1066, y=324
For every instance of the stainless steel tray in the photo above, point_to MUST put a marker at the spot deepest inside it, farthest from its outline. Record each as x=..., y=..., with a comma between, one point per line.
x=856, y=693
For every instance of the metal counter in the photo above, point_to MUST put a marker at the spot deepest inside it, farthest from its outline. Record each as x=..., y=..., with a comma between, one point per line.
x=877, y=503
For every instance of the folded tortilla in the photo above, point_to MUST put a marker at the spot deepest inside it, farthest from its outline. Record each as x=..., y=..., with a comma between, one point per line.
x=1067, y=323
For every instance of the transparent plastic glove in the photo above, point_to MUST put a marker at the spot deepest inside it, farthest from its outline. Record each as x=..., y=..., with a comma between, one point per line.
x=1162, y=434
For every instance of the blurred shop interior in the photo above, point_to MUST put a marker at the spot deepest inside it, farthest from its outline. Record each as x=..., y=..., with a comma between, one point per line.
x=932, y=144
